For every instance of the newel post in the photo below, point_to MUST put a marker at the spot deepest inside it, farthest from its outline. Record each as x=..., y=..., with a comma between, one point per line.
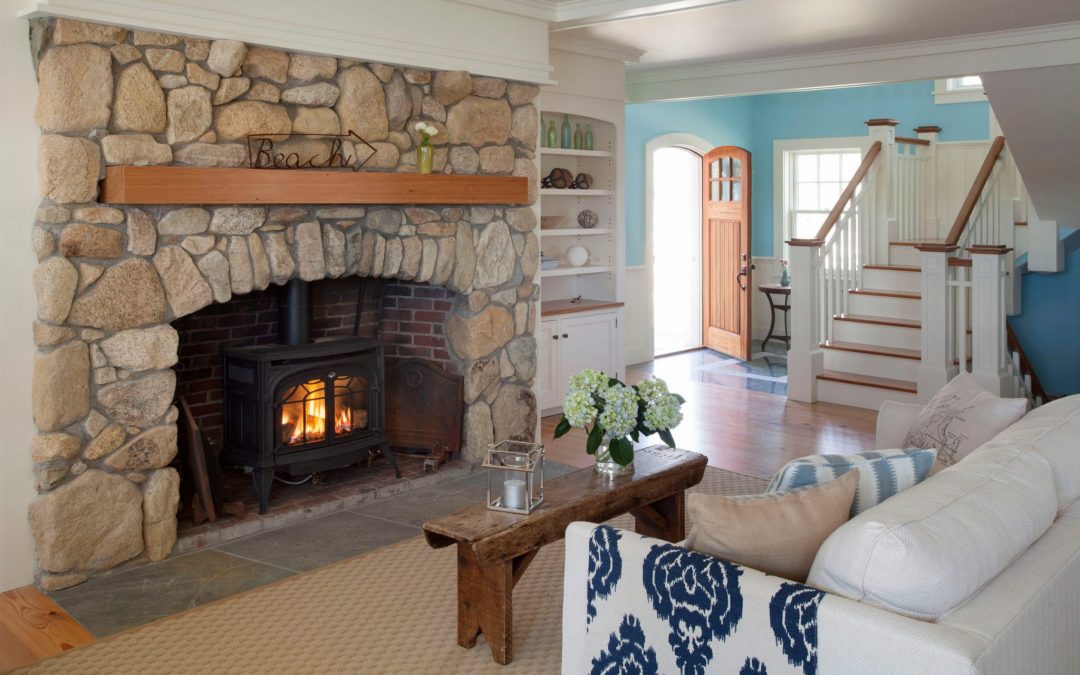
x=931, y=224
x=988, y=318
x=805, y=358
x=884, y=218
x=936, y=368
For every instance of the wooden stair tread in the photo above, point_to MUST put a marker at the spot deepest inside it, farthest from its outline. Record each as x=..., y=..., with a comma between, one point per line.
x=893, y=268
x=880, y=320
x=904, y=243
x=876, y=350
x=869, y=381
x=907, y=295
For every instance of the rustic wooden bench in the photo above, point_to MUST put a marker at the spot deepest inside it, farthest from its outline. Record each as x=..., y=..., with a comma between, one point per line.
x=495, y=548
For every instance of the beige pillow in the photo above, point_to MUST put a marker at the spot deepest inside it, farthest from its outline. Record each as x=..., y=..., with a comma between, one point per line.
x=777, y=533
x=961, y=417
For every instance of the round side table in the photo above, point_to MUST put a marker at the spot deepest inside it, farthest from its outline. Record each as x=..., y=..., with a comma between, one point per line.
x=784, y=293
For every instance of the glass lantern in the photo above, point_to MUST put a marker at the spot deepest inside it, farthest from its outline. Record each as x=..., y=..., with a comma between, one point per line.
x=515, y=476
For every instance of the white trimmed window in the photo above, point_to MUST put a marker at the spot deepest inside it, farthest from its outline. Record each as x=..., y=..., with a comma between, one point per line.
x=817, y=179
x=963, y=89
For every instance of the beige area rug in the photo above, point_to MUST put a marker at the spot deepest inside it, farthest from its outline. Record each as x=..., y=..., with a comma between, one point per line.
x=392, y=610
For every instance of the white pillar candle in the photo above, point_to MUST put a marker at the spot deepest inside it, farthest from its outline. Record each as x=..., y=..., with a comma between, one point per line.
x=513, y=494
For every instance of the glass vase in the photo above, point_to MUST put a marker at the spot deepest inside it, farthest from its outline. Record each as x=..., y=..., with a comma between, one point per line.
x=606, y=465
x=425, y=154
x=785, y=278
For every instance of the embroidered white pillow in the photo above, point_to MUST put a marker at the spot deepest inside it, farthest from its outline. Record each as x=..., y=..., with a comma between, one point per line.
x=882, y=473
x=961, y=417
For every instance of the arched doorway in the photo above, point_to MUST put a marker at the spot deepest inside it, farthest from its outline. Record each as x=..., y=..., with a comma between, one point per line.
x=673, y=240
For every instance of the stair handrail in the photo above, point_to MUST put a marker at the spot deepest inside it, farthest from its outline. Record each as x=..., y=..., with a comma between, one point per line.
x=1028, y=379
x=849, y=191
x=978, y=186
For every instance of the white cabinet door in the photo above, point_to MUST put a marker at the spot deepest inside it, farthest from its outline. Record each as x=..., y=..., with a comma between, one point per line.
x=549, y=387
x=587, y=342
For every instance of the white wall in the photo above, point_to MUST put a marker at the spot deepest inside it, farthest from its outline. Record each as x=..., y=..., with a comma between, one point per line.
x=19, y=196
x=429, y=33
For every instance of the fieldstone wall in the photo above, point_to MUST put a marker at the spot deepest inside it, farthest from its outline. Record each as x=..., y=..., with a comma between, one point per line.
x=110, y=280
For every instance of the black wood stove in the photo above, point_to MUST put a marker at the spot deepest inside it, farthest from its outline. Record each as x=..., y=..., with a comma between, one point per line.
x=303, y=406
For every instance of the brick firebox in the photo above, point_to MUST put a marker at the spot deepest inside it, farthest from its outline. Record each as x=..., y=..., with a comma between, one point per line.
x=412, y=323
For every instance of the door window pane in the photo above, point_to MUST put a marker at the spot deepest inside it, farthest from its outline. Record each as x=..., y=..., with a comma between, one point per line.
x=725, y=167
x=714, y=191
x=736, y=191
x=725, y=191
x=736, y=167
x=714, y=169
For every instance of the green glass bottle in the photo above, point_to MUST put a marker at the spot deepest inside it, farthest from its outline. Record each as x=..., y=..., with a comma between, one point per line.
x=552, y=135
x=567, y=133
x=579, y=137
x=589, y=140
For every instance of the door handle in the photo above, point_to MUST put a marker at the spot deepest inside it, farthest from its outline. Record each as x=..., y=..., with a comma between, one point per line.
x=743, y=273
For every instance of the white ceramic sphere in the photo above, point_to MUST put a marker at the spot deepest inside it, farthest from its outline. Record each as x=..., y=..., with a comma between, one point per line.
x=577, y=256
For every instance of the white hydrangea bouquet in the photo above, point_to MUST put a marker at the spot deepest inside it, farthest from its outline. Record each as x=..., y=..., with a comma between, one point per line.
x=614, y=413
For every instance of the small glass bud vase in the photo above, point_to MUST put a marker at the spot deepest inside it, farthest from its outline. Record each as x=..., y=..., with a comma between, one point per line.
x=515, y=472
x=425, y=154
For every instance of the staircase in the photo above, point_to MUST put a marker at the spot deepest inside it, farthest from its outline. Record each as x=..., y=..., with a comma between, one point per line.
x=889, y=313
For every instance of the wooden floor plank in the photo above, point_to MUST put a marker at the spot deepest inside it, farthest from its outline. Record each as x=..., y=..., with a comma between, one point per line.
x=751, y=432
x=33, y=627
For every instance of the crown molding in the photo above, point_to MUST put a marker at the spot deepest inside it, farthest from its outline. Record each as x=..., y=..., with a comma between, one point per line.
x=1041, y=46
x=592, y=48
x=570, y=14
x=225, y=22
x=534, y=9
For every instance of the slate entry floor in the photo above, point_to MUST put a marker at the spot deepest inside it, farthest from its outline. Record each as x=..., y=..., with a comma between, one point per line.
x=131, y=597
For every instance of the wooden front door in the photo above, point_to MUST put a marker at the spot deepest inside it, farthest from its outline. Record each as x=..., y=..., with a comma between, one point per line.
x=726, y=266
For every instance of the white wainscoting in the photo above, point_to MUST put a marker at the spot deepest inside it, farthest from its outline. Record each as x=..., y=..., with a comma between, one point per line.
x=639, y=315
x=955, y=165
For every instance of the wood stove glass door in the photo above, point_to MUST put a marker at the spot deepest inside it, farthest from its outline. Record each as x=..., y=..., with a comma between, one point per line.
x=352, y=405
x=321, y=410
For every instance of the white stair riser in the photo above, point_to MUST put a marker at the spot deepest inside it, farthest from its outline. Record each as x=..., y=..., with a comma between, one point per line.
x=872, y=364
x=891, y=280
x=875, y=334
x=883, y=305
x=860, y=396
x=903, y=255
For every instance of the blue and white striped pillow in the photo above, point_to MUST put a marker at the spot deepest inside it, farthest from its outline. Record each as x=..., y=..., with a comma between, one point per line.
x=882, y=473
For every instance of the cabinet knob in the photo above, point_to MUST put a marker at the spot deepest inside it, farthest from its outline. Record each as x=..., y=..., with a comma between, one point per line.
x=554, y=337
x=565, y=335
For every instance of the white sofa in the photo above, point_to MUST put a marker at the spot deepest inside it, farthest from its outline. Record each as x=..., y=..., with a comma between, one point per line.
x=992, y=545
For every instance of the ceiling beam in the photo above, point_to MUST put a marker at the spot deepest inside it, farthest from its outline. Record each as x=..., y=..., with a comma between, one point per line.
x=1038, y=47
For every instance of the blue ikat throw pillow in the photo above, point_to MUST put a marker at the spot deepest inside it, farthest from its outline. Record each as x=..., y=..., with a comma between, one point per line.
x=882, y=473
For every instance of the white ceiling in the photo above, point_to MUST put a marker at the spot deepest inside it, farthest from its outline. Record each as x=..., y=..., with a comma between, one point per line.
x=750, y=29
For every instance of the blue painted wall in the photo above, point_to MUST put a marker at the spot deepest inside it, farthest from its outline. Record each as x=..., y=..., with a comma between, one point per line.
x=1050, y=322
x=754, y=122
x=720, y=121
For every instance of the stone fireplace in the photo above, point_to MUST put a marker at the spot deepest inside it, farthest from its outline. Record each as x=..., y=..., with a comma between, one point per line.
x=113, y=284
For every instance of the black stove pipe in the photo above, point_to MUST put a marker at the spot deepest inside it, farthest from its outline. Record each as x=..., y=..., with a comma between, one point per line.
x=294, y=313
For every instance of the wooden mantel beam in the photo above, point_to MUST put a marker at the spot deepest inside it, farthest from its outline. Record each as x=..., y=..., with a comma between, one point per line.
x=148, y=185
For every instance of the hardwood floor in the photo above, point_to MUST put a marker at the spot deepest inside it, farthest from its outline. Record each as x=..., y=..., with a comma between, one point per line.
x=735, y=425
x=32, y=627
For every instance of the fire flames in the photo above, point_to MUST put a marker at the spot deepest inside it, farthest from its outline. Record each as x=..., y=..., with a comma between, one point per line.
x=311, y=426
